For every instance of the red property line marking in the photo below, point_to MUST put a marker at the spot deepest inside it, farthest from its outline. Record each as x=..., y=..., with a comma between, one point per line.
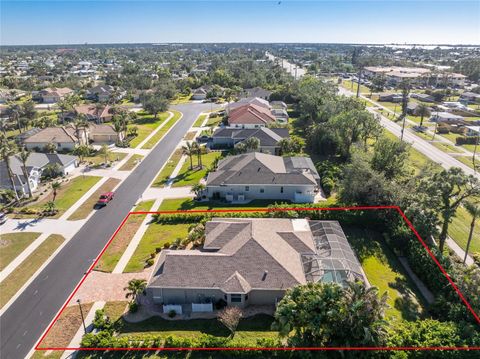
x=397, y=208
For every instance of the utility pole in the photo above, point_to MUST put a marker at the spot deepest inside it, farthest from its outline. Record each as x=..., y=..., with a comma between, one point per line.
x=435, y=131
x=358, y=84
x=474, y=153
x=81, y=314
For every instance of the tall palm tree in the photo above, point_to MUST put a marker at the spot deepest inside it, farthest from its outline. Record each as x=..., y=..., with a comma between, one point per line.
x=118, y=128
x=55, y=187
x=189, y=150
x=198, y=151
x=474, y=210
x=134, y=288
x=422, y=111
x=23, y=155
x=7, y=150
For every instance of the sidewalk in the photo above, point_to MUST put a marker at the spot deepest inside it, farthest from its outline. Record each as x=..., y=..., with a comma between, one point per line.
x=459, y=251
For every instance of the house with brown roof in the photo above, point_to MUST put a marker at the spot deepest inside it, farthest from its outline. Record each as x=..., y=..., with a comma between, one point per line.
x=64, y=138
x=256, y=175
x=252, y=261
x=103, y=133
x=250, y=116
x=54, y=94
x=96, y=113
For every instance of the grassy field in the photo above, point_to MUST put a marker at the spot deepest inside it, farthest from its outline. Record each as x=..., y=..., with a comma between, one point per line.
x=468, y=161
x=199, y=120
x=214, y=121
x=167, y=170
x=69, y=193
x=252, y=328
x=131, y=163
x=187, y=177
x=181, y=99
x=65, y=327
x=460, y=228
x=12, y=244
x=88, y=206
x=114, y=252
x=155, y=236
x=11, y=284
x=384, y=271
x=188, y=203
x=146, y=123
x=160, y=133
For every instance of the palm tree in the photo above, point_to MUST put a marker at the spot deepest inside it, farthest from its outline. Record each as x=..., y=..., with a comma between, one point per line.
x=14, y=110
x=7, y=150
x=422, y=111
x=118, y=128
x=23, y=155
x=198, y=151
x=474, y=210
x=198, y=188
x=134, y=288
x=252, y=143
x=189, y=150
x=55, y=187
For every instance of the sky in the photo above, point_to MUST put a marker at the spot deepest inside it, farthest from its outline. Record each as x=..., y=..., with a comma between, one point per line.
x=109, y=21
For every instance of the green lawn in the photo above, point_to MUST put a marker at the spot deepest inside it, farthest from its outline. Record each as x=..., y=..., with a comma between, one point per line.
x=115, y=249
x=155, y=236
x=199, y=120
x=69, y=193
x=160, y=133
x=384, y=271
x=111, y=156
x=167, y=170
x=468, y=161
x=11, y=284
x=88, y=206
x=187, y=177
x=146, y=123
x=348, y=85
x=251, y=328
x=460, y=228
x=188, y=203
x=12, y=244
x=131, y=163
x=214, y=121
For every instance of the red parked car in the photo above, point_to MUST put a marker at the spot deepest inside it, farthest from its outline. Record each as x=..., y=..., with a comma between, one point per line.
x=104, y=199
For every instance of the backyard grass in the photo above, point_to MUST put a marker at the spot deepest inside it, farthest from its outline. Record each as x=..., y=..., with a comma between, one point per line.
x=188, y=177
x=214, y=121
x=12, y=244
x=199, y=120
x=188, y=203
x=131, y=163
x=65, y=327
x=69, y=193
x=384, y=271
x=167, y=170
x=460, y=228
x=145, y=124
x=12, y=283
x=160, y=133
x=112, y=255
x=88, y=206
x=155, y=236
x=252, y=328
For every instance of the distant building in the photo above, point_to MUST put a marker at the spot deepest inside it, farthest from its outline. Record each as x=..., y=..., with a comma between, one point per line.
x=257, y=92
x=53, y=94
x=446, y=117
x=103, y=93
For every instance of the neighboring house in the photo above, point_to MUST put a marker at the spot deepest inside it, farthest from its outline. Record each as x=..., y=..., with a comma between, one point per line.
x=104, y=93
x=472, y=131
x=278, y=105
x=269, y=138
x=10, y=95
x=390, y=97
x=103, y=133
x=257, y=92
x=248, y=101
x=98, y=114
x=250, y=116
x=252, y=261
x=255, y=175
x=412, y=108
x=446, y=117
x=53, y=94
x=65, y=138
x=281, y=115
x=470, y=98
x=199, y=94
x=35, y=164
x=423, y=97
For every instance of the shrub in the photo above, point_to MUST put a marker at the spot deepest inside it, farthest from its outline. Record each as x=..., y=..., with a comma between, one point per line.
x=133, y=307
x=158, y=250
x=467, y=140
x=166, y=245
x=149, y=262
x=172, y=313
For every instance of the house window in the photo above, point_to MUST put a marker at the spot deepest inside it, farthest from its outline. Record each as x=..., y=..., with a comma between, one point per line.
x=262, y=190
x=247, y=188
x=236, y=298
x=281, y=189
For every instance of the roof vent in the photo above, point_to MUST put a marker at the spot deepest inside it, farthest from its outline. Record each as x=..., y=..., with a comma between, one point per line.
x=264, y=275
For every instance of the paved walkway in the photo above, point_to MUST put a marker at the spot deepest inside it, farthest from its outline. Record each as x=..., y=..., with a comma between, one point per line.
x=459, y=251
x=420, y=285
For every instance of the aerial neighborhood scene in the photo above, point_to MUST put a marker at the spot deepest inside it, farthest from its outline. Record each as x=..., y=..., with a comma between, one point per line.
x=230, y=179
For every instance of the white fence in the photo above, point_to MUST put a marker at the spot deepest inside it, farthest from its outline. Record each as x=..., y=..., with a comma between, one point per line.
x=202, y=307
x=169, y=307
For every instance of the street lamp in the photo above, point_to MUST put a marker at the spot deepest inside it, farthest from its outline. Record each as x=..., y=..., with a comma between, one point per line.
x=81, y=314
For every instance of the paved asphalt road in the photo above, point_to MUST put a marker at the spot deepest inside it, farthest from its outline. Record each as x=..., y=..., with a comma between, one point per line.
x=22, y=324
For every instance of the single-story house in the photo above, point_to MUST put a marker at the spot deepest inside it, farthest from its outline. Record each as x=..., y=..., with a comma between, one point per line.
x=269, y=138
x=103, y=93
x=472, y=130
x=278, y=104
x=470, y=98
x=390, y=97
x=423, y=97
x=248, y=101
x=257, y=92
x=280, y=115
x=252, y=261
x=258, y=175
x=64, y=137
x=199, y=94
x=412, y=107
x=250, y=116
x=53, y=94
x=36, y=162
x=10, y=95
x=99, y=114
x=103, y=133
x=446, y=117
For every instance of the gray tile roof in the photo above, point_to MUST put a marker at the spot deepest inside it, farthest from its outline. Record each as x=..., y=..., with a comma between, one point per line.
x=263, y=169
x=267, y=136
